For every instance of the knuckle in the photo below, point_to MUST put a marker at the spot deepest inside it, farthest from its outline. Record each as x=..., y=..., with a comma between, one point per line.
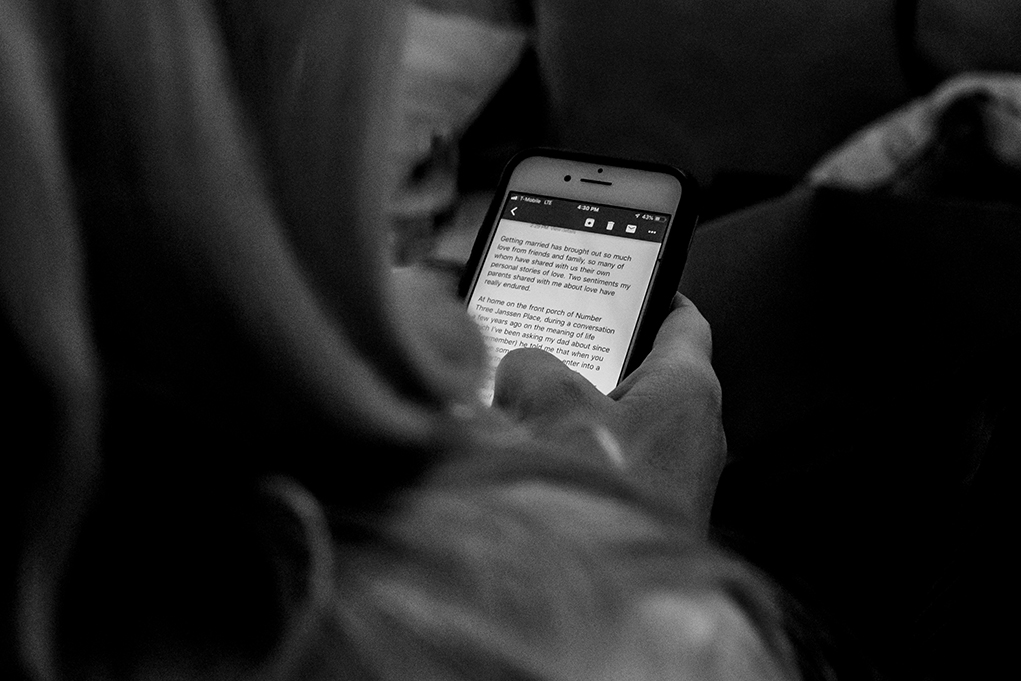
x=695, y=376
x=702, y=332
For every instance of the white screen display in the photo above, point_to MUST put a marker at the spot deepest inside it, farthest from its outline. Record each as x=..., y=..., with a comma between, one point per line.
x=568, y=277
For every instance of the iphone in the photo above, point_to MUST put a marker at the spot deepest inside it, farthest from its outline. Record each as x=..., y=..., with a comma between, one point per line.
x=580, y=256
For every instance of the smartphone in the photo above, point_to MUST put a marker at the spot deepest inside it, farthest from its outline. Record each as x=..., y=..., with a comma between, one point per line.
x=579, y=255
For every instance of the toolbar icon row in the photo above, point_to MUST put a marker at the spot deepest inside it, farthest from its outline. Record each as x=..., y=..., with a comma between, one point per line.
x=610, y=224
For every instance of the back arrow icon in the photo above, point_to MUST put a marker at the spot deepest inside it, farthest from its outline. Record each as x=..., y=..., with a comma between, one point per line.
x=513, y=209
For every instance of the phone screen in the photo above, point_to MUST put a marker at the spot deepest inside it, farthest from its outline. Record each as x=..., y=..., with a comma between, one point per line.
x=570, y=277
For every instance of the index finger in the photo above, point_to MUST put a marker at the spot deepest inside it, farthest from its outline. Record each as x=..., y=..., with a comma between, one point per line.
x=680, y=358
x=684, y=333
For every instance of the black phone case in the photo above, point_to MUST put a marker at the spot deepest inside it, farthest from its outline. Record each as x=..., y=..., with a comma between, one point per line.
x=671, y=263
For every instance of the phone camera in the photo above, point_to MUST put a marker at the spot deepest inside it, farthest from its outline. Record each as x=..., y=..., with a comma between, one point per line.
x=599, y=170
x=567, y=178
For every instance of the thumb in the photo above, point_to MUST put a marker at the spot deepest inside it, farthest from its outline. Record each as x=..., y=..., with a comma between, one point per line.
x=535, y=387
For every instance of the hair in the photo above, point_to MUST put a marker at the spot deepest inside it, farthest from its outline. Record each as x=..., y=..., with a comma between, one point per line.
x=258, y=470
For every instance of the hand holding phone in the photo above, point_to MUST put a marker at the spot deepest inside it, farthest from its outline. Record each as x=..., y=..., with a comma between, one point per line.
x=579, y=256
x=665, y=416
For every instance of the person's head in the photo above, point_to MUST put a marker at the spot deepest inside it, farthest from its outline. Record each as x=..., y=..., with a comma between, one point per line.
x=194, y=267
x=195, y=280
